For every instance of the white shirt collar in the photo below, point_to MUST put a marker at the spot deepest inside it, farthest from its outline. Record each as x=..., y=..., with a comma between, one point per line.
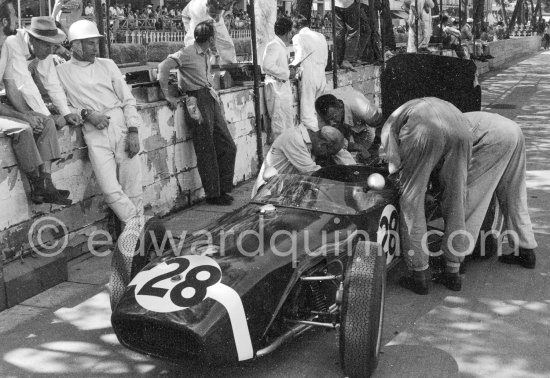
x=280, y=41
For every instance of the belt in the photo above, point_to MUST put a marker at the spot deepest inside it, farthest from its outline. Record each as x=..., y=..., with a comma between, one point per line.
x=276, y=78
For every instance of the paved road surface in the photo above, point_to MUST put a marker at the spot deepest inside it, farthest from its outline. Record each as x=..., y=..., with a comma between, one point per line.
x=498, y=325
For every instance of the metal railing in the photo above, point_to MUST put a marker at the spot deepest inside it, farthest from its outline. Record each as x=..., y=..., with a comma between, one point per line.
x=148, y=36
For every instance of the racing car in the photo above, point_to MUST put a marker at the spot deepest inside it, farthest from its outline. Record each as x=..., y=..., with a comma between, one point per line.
x=307, y=251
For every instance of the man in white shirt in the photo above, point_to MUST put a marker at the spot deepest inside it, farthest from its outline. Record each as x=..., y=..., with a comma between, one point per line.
x=89, y=10
x=295, y=151
x=96, y=88
x=347, y=32
x=18, y=51
x=310, y=57
x=278, y=94
x=33, y=135
x=198, y=11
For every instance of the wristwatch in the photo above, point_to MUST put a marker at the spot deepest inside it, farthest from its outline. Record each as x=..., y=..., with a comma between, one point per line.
x=84, y=114
x=132, y=129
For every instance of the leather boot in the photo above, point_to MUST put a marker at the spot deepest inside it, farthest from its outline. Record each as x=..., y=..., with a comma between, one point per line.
x=418, y=282
x=41, y=194
x=48, y=184
x=37, y=188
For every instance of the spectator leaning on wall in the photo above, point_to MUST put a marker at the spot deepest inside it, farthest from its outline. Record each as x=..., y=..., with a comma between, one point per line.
x=96, y=89
x=213, y=143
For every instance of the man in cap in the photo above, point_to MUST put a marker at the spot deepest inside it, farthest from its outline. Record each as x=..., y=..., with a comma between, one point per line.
x=295, y=152
x=355, y=117
x=96, y=89
x=310, y=59
x=17, y=51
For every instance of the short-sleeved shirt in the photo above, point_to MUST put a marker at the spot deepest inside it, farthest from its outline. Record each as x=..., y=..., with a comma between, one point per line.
x=194, y=67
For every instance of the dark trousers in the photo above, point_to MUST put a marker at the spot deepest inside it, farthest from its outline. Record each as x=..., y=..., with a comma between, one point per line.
x=347, y=33
x=214, y=146
x=369, y=41
x=31, y=150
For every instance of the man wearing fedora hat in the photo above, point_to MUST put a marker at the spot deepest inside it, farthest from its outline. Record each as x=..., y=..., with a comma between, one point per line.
x=34, y=140
x=36, y=41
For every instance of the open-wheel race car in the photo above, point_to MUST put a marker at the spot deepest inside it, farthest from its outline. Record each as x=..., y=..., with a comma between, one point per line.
x=307, y=251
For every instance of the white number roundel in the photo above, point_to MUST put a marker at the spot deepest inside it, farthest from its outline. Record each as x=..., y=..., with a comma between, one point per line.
x=387, y=235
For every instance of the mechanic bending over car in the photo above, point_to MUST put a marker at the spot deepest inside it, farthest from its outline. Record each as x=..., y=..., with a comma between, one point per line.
x=355, y=117
x=498, y=164
x=420, y=137
x=296, y=149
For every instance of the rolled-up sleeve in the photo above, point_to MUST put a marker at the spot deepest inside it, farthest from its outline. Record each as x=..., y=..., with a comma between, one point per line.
x=124, y=93
x=364, y=110
x=48, y=76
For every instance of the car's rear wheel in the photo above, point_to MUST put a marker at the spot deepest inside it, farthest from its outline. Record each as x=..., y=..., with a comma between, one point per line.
x=362, y=310
x=129, y=259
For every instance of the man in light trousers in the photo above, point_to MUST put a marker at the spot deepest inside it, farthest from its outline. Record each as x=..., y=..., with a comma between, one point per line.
x=278, y=94
x=97, y=90
x=498, y=165
x=426, y=136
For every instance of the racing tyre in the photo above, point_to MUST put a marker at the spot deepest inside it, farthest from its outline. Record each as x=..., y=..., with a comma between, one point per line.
x=129, y=258
x=362, y=310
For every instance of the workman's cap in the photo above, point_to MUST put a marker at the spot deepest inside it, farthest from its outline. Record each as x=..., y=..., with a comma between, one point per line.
x=469, y=20
x=44, y=29
x=83, y=29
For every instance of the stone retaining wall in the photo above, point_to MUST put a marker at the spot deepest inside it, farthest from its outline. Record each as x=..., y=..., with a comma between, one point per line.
x=170, y=181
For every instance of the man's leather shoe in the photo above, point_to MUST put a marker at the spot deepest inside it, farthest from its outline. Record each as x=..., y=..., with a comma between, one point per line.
x=526, y=258
x=227, y=195
x=222, y=200
x=451, y=281
x=418, y=282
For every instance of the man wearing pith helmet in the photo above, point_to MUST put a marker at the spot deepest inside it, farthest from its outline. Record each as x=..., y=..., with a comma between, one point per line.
x=96, y=89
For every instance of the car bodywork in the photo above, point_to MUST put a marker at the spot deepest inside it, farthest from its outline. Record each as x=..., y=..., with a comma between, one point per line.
x=258, y=256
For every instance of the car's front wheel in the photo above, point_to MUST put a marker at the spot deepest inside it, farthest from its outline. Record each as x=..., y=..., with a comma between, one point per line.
x=129, y=258
x=362, y=310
